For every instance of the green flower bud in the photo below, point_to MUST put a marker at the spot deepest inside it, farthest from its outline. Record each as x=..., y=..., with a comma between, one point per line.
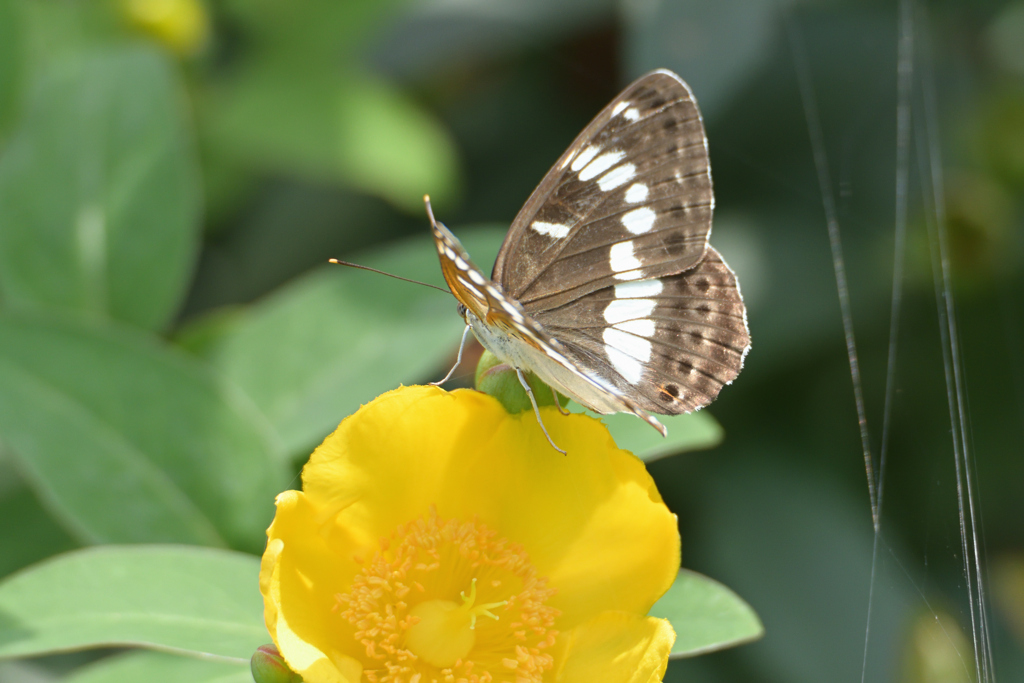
x=499, y=380
x=269, y=667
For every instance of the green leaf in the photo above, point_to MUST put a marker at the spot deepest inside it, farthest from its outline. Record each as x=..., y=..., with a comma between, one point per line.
x=706, y=615
x=55, y=31
x=320, y=347
x=318, y=29
x=128, y=440
x=353, y=129
x=181, y=599
x=99, y=199
x=691, y=432
x=28, y=533
x=390, y=146
x=11, y=65
x=202, y=335
x=160, y=667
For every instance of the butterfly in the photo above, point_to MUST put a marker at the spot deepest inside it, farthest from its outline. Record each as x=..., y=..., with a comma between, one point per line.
x=605, y=286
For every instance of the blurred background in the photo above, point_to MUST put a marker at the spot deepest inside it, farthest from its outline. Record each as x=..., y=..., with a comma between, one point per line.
x=174, y=175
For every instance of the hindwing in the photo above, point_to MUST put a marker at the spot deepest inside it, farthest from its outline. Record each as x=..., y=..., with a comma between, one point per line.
x=670, y=343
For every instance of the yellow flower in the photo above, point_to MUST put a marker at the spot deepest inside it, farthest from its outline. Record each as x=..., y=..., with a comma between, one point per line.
x=439, y=538
x=181, y=25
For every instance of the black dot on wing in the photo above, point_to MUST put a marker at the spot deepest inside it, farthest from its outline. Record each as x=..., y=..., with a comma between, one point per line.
x=686, y=366
x=704, y=308
x=676, y=245
x=670, y=390
x=697, y=336
x=703, y=285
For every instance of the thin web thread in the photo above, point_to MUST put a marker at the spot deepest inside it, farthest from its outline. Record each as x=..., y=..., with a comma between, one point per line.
x=904, y=89
x=928, y=604
x=951, y=398
x=929, y=159
x=904, y=93
x=810, y=106
x=929, y=155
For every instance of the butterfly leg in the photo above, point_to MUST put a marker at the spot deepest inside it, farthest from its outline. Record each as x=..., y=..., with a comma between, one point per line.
x=558, y=404
x=458, y=359
x=536, y=410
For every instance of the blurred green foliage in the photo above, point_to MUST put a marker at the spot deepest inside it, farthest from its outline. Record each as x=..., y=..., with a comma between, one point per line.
x=172, y=343
x=101, y=178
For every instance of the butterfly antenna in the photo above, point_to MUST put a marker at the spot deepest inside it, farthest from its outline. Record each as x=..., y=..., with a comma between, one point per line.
x=430, y=211
x=381, y=272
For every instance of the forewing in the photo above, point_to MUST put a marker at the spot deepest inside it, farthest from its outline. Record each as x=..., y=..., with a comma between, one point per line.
x=630, y=199
x=465, y=280
x=669, y=343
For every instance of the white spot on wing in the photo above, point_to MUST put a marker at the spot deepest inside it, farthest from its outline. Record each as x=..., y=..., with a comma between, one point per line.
x=465, y=283
x=627, y=353
x=584, y=157
x=641, y=328
x=509, y=308
x=621, y=257
x=621, y=310
x=620, y=175
x=637, y=192
x=555, y=230
x=638, y=289
x=632, y=114
x=639, y=221
x=461, y=263
x=619, y=107
x=476, y=277
x=600, y=165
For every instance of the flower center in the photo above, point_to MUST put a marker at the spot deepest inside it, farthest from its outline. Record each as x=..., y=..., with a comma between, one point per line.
x=446, y=631
x=409, y=609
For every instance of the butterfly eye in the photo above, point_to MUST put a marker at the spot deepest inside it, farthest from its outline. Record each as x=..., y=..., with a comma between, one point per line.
x=461, y=308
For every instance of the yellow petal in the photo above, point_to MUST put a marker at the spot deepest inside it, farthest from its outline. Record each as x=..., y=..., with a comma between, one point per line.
x=182, y=25
x=616, y=646
x=299, y=578
x=591, y=521
x=386, y=464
